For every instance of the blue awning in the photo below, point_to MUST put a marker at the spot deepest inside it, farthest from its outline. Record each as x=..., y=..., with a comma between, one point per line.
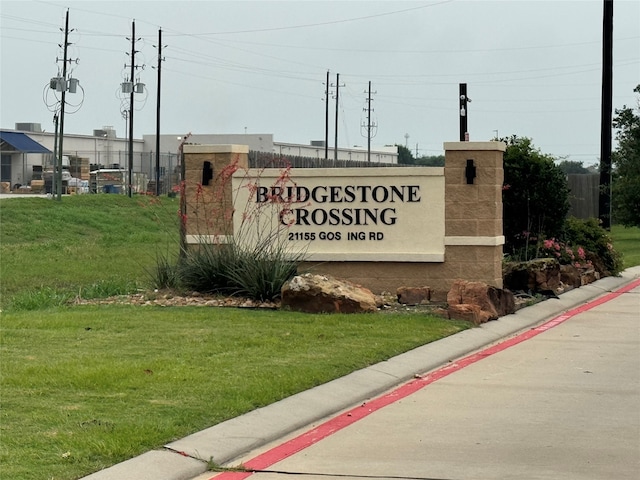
x=20, y=142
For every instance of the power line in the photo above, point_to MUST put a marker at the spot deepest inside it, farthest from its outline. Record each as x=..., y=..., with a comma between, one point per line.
x=438, y=51
x=331, y=22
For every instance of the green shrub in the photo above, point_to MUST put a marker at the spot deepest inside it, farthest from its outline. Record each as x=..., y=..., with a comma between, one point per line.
x=589, y=235
x=535, y=197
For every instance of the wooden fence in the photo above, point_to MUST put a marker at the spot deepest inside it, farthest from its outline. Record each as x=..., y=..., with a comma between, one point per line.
x=583, y=196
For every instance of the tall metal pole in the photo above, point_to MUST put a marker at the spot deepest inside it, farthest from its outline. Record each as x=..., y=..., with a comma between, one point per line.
x=335, y=148
x=62, y=104
x=54, y=180
x=133, y=66
x=463, y=112
x=326, y=120
x=604, y=200
x=369, y=124
x=158, y=116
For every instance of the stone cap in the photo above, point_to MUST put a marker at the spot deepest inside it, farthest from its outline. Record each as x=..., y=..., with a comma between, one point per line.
x=474, y=146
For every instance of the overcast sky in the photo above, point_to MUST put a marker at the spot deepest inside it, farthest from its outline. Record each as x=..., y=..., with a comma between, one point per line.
x=533, y=68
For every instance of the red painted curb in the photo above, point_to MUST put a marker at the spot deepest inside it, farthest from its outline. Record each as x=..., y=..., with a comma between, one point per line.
x=343, y=420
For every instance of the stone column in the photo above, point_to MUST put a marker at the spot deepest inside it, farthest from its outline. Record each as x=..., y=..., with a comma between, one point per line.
x=473, y=211
x=208, y=190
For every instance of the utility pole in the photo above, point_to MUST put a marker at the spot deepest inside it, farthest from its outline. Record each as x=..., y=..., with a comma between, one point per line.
x=326, y=119
x=131, y=87
x=335, y=148
x=464, y=113
x=133, y=66
x=62, y=84
x=160, y=59
x=604, y=200
x=370, y=125
x=62, y=105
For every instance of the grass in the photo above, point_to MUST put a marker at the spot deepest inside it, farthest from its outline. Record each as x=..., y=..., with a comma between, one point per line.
x=85, y=244
x=86, y=387
x=627, y=241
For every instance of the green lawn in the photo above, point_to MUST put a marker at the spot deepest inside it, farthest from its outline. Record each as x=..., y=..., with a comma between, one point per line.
x=627, y=241
x=87, y=387
x=82, y=241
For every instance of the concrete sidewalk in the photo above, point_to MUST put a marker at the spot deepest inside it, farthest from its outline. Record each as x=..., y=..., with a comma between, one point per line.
x=227, y=442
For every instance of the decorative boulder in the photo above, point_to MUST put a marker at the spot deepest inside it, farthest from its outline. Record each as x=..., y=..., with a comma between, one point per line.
x=542, y=274
x=491, y=302
x=324, y=294
x=414, y=295
x=570, y=276
x=468, y=312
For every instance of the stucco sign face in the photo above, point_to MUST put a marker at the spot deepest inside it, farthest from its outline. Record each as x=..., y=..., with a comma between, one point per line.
x=355, y=214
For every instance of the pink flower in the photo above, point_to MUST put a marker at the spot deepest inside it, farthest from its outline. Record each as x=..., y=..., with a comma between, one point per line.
x=581, y=253
x=548, y=244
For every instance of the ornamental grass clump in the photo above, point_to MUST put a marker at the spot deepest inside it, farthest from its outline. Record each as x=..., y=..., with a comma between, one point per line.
x=251, y=258
x=259, y=272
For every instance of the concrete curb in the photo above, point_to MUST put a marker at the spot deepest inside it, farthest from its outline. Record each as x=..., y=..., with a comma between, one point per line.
x=186, y=458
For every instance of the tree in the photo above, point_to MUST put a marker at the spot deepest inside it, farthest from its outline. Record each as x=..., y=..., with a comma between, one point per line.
x=570, y=166
x=535, y=195
x=431, y=161
x=625, y=189
x=405, y=156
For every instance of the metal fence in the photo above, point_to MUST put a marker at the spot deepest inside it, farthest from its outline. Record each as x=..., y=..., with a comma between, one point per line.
x=144, y=166
x=275, y=160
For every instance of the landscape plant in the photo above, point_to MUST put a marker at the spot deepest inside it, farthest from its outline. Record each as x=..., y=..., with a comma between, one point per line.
x=595, y=241
x=535, y=198
x=253, y=259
